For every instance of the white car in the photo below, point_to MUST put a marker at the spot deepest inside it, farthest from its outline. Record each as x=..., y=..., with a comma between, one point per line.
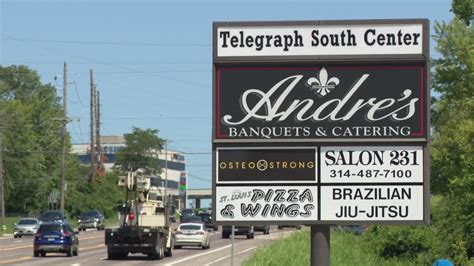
x=192, y=234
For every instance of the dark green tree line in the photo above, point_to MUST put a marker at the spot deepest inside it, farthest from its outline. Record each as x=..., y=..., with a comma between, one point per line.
x=32, y=142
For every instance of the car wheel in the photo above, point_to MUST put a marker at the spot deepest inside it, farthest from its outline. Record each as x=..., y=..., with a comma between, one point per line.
x=298, y=227
x=225, y=235
x=203, y=246
x=177, y=247
x=280, y=227
x=43, y=253
x=70, y=253
x=209, y=245
x=36, y=253
x=75, y=252
x=249, y=236
x=19, y=236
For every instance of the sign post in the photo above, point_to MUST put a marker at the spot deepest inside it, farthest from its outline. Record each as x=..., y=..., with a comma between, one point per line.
x=321, y=123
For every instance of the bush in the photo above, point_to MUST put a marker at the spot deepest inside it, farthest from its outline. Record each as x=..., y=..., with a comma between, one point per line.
x=411, y=242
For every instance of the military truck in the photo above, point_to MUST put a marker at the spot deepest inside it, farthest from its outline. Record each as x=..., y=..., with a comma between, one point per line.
x=144, y=220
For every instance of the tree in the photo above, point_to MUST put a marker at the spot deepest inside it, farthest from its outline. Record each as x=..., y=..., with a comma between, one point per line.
x=32, y=142
x=141, y=151
x=464, y=10
x=452, y=146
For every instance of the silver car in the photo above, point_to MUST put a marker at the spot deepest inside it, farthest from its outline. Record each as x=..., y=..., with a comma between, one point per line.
x=192, y=234
x=26, y=226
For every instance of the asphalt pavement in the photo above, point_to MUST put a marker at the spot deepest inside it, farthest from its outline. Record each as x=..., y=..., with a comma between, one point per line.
x=92, y=251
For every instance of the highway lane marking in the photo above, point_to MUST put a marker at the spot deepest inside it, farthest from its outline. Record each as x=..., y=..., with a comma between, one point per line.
x=228, y=256
x=90, y=237
x=15, y=260
x=197, y=255
x=17, y=247
x=98, y=246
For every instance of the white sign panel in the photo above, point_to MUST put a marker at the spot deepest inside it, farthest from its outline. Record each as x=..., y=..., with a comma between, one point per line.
x=369, y=164
x=316, y=40
x=264, y=203
x=372, y=203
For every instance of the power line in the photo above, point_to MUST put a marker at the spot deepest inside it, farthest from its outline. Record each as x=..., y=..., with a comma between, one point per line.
x=198, y=177
x=10, y=38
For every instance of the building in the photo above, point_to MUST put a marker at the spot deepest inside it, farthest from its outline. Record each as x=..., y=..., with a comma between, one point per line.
x=173, y=160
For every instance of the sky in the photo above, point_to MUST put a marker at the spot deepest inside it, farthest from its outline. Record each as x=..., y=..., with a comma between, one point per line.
x=152, y=59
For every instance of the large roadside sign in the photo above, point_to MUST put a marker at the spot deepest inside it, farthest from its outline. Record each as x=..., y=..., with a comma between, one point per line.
x=321, y=122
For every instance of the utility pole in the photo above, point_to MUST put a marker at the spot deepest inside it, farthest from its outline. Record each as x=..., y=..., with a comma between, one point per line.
x=63, y=135
x=166, y=168
x=2, y=183
x=97, y=133
x=92, y=95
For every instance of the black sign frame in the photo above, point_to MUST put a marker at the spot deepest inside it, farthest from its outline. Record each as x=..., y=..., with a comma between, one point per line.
x=259, y=61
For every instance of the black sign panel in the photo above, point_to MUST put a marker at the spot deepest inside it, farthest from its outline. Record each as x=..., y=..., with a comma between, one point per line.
x=335, y=101
x=255, y=165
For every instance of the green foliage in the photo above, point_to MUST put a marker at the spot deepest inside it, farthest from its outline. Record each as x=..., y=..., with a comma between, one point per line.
x=103, y=195
x=412, y=243
x=453, y=224
x=346, y=249
x=452, y=150
x=141, y=151
x=31, y=138
x=464, y=9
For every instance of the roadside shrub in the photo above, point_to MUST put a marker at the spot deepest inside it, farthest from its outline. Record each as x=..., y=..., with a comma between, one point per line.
x=409, y=242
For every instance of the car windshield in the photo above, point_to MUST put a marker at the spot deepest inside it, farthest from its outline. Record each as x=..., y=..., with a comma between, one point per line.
x=190, y=227
x=27, y=221
x=192, y=219
x=187, y=212
x=90, y=214
x=51, y=215
x=50, y=228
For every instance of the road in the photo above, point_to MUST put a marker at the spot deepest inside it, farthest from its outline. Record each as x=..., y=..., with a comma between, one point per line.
x=92, y=251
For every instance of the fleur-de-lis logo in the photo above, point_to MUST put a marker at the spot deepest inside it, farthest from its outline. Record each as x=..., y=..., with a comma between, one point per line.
x=322, y=84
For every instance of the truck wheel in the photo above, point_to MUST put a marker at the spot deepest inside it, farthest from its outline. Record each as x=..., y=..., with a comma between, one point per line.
x=168, y=252
x=158, y=254
x=280, y=227
x=112, y=256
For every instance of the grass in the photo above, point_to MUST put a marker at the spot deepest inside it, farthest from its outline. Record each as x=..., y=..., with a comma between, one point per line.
x=346, y=249
x=10, y=224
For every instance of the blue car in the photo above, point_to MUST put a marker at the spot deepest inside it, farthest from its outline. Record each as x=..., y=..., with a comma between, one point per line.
x=56, y=237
